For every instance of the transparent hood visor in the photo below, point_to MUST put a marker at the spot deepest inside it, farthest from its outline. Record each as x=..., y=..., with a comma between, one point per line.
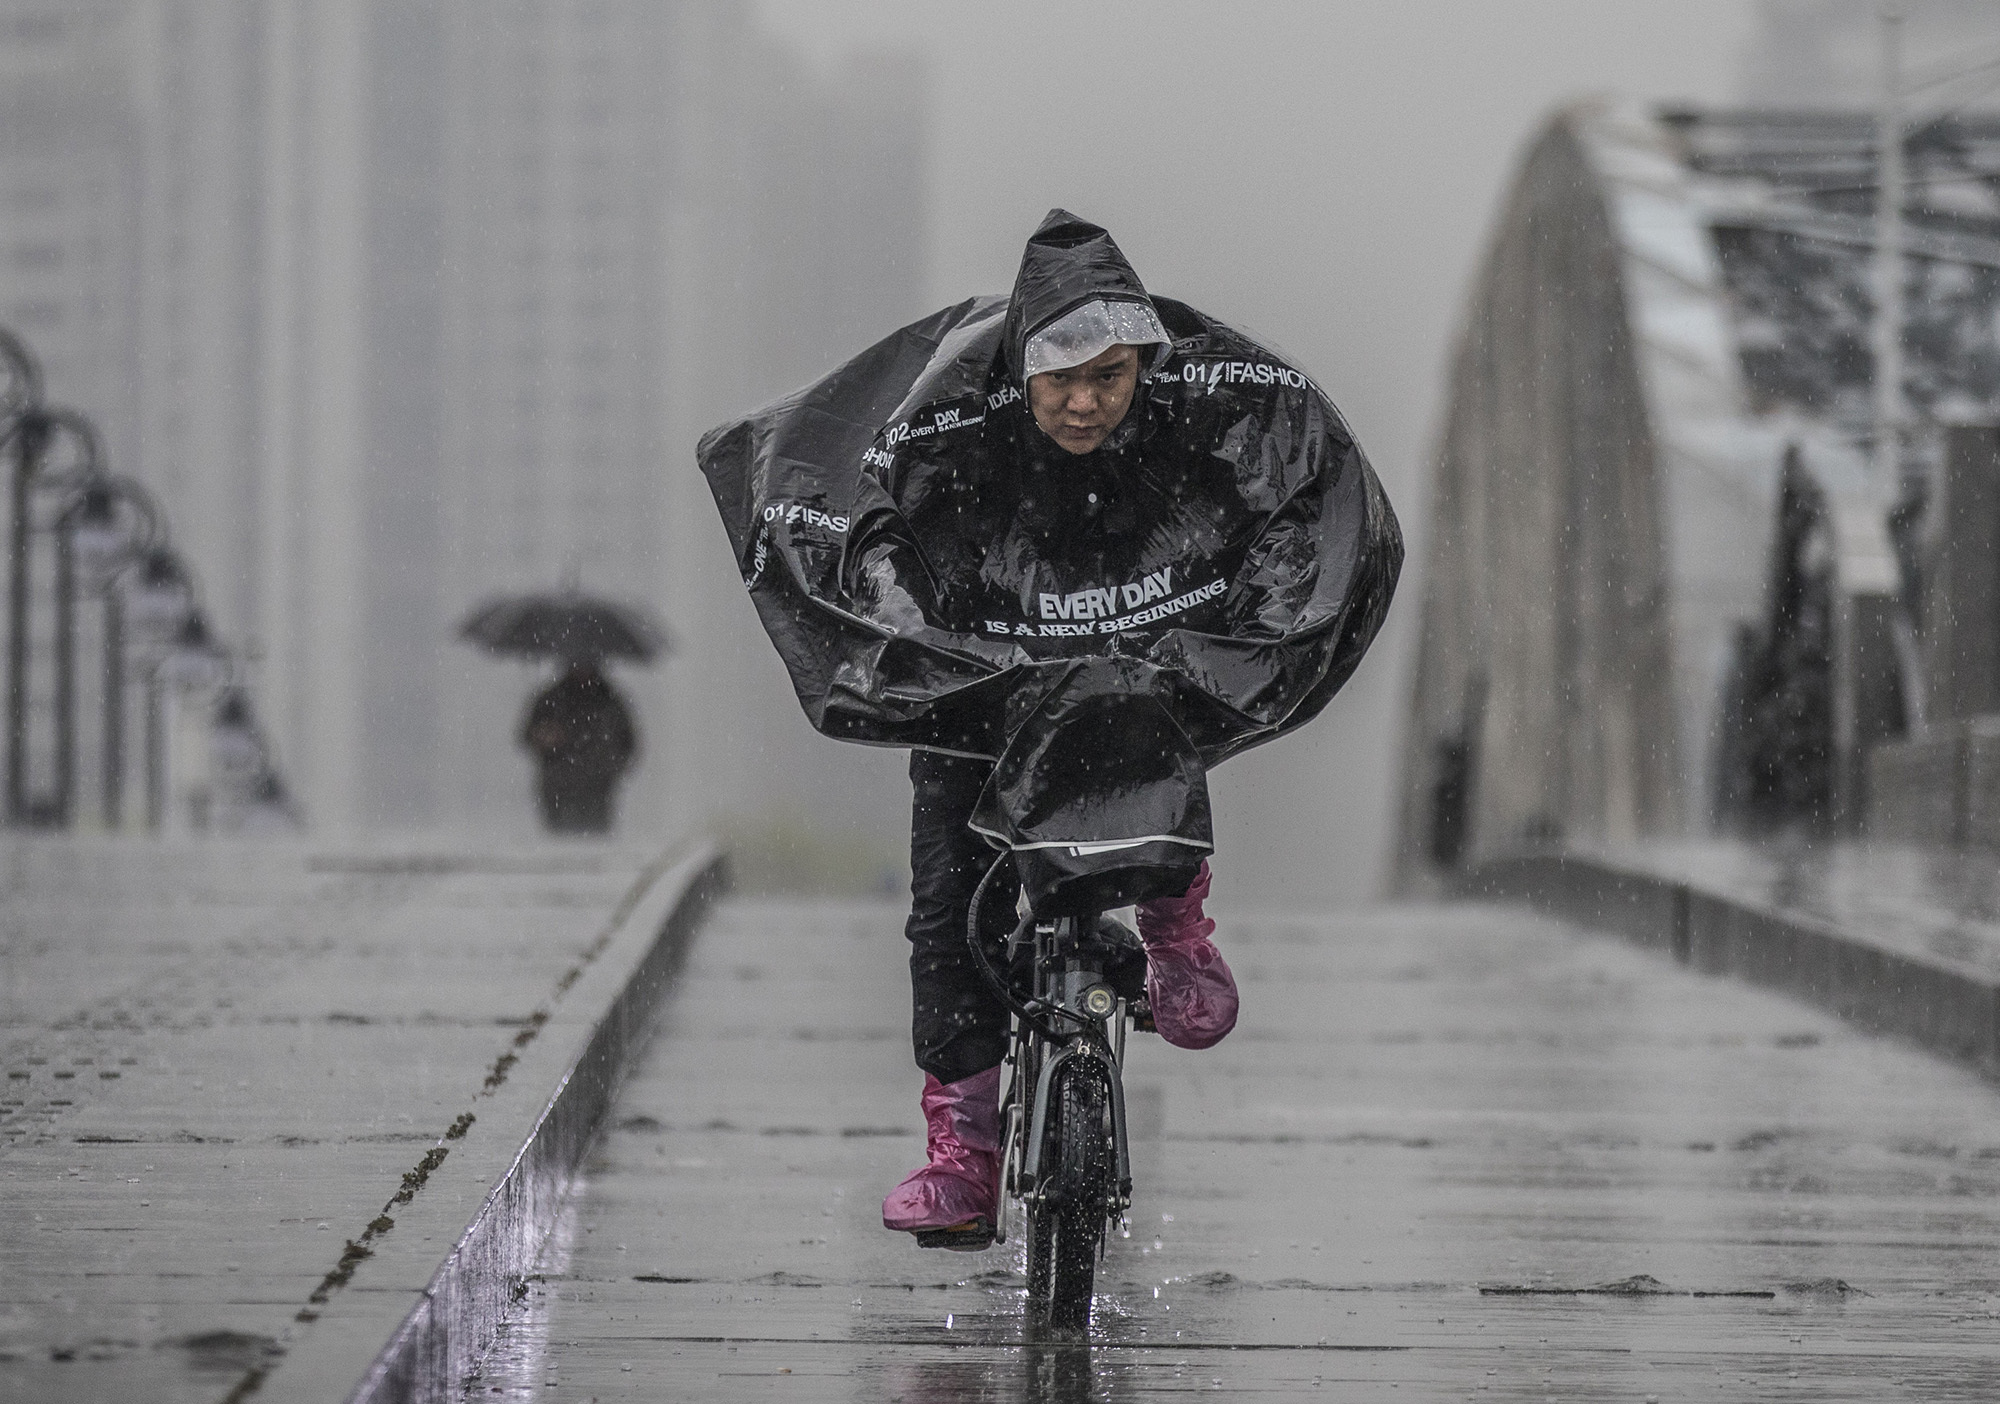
x=1090, y=330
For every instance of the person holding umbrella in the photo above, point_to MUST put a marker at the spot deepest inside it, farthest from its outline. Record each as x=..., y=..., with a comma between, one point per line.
x=583, y=740
x=579, y=730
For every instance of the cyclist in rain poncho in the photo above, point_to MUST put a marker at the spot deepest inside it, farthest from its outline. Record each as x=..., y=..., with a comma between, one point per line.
x=1020, y=501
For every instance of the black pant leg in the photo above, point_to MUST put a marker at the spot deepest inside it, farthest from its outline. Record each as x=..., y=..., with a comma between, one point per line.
x=958, y=1025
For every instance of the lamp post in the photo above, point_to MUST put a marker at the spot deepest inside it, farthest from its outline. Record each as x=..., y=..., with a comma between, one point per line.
x=191, y=648
x=37, y=433
x=40, y=435
x=240, y=757
x=161, y=601
x=67, y=425
x=65, y=788
x=111, y=526
x=250, y=789
x=22, y=430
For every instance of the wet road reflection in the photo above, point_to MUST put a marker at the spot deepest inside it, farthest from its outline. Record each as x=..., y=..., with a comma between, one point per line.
x=1449, y=1153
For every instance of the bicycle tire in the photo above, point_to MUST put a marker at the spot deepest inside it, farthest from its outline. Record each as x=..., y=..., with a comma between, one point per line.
x=1066, y=1225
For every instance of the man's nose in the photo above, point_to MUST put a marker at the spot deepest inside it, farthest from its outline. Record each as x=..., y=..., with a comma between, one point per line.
x=1082, y=400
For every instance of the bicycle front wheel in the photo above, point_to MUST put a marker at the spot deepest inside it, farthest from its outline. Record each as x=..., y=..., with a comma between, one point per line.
x=1066, y=1223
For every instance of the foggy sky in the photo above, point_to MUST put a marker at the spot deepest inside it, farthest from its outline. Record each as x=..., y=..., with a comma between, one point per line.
x=1322, y=173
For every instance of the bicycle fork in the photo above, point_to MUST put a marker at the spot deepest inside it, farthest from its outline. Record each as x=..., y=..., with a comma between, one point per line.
x=1072, y=997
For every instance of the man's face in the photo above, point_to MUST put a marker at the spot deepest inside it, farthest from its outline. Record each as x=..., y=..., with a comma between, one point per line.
x=1079, y=407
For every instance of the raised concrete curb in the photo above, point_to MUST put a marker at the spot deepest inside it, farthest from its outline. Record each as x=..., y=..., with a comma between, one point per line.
x=404, y=1326
x=1947, y=1008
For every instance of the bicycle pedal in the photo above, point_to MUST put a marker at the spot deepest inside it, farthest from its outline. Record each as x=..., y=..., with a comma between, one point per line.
x=976, y=1238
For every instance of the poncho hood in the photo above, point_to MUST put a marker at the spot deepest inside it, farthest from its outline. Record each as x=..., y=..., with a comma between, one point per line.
x=1068, y=262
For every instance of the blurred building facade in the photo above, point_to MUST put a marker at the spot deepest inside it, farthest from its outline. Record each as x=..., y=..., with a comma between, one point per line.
x=397, y=303
x=71, y=171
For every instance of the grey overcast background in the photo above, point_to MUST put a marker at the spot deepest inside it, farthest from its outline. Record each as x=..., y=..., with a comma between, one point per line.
x=399, y=304
x=1321, y=172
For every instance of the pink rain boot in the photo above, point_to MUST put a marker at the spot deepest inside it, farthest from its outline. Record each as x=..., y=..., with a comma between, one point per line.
x=1189, y=986
x=956, y=1197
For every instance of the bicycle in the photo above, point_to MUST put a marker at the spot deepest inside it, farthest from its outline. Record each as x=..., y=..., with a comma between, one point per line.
x=1065, y=1153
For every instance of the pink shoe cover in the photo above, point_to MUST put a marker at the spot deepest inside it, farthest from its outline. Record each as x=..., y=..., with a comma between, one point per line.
x=962, y=1181
x=1187, y=982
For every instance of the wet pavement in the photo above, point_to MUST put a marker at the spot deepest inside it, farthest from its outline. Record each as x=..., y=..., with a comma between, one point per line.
x=222, y=1062
x=1451, y=1152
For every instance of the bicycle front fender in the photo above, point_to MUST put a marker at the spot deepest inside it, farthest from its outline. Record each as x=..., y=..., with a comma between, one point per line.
x=1031, y=1161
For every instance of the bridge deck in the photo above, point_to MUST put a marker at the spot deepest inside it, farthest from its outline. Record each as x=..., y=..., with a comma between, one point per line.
x=1438, y=1140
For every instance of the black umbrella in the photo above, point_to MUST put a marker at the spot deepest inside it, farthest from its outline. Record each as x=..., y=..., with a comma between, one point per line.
x=567, y=624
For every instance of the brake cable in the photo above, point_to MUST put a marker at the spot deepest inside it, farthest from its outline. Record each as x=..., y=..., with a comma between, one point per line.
x=1032, y=1012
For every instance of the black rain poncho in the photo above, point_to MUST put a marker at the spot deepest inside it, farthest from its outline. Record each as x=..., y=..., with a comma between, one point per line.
x=935, y=571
